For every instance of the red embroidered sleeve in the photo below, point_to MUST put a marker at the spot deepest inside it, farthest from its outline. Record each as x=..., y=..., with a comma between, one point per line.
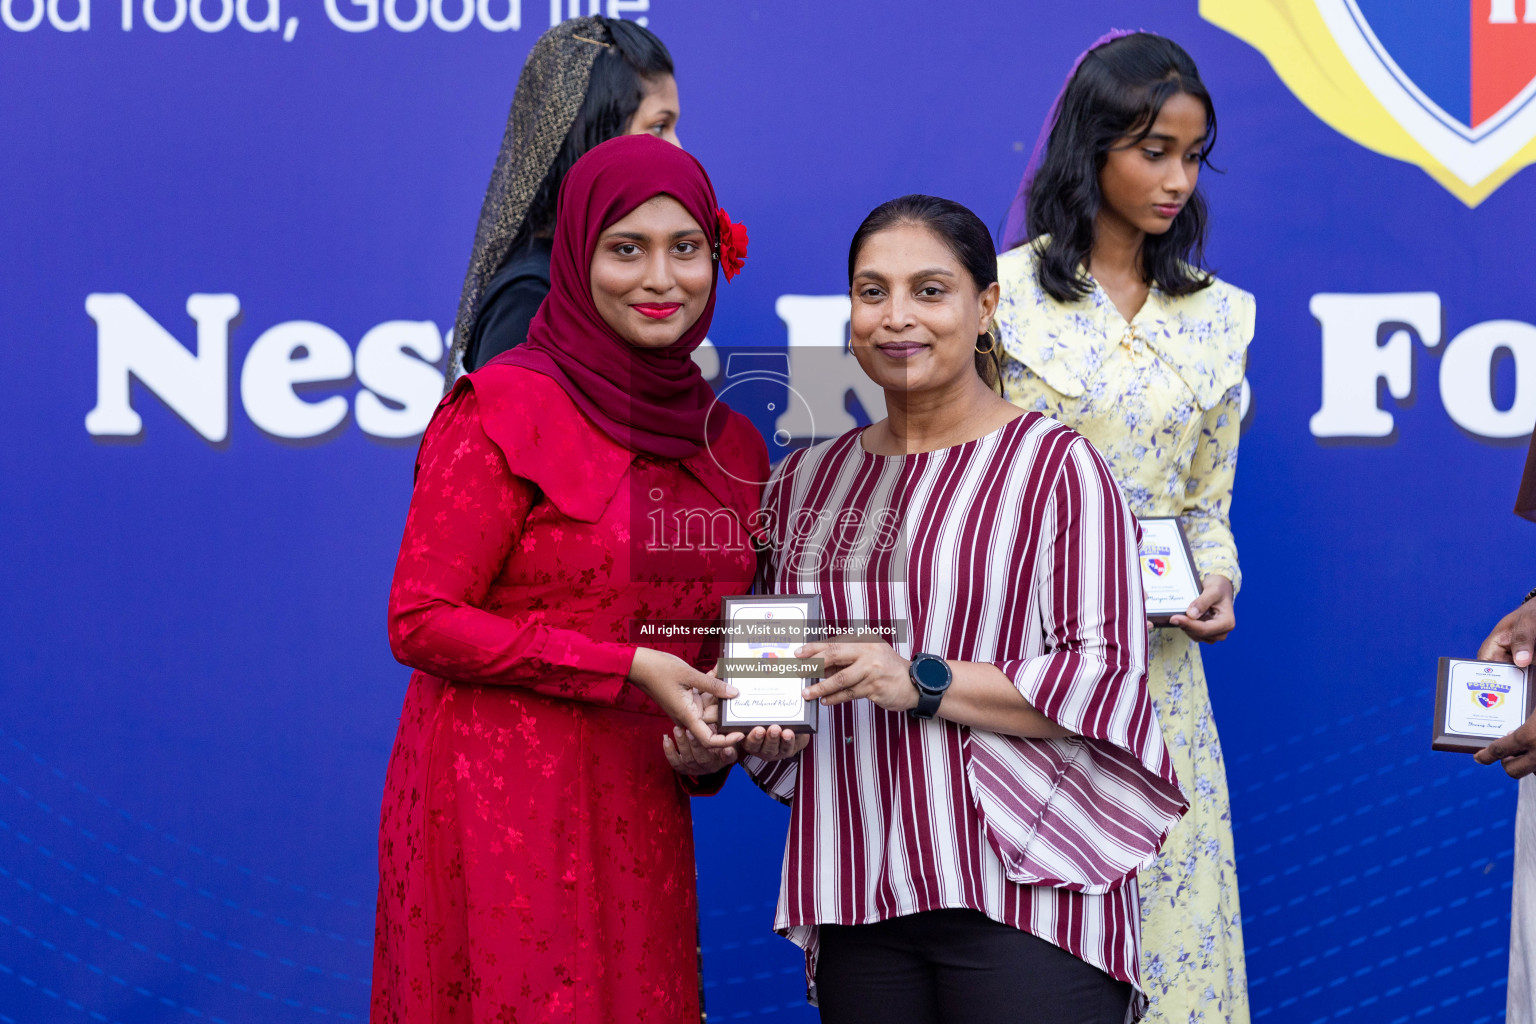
x=467, y=512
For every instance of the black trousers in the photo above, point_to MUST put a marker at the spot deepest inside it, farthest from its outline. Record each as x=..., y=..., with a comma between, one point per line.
x=958, y=967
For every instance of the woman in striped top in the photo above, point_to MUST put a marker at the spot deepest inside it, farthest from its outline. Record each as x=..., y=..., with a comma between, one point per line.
x=968, y=819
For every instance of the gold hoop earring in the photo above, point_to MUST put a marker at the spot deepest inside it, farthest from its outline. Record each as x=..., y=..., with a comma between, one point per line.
x=991, y=343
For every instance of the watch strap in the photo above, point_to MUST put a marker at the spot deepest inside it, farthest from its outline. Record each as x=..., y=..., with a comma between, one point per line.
x=927, y=704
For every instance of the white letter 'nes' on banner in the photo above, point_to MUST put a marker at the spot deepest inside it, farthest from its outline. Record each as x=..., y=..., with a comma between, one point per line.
x=297, y=352
x=130, y=342
x=823, y=370
x=386, y=367
x=396, y=364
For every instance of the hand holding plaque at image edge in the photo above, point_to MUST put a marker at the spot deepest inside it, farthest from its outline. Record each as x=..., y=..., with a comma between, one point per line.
x=1478, y=701
x=1512, y=641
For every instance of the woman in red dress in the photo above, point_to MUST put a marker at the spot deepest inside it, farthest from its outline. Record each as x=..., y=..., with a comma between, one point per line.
x=536, y=851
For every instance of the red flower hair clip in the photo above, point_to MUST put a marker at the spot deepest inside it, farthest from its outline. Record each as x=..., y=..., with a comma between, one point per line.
x=731, y=250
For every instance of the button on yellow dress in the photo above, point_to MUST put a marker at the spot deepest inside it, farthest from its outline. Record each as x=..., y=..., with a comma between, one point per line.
x=1160, y=398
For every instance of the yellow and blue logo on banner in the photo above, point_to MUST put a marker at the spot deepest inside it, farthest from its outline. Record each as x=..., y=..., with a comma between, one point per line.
x=1449, y=86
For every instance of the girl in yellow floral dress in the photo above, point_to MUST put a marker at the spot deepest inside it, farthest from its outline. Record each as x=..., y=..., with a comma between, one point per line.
x=1109, y=324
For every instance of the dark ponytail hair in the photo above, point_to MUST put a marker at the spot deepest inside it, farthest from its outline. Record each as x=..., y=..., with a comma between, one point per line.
x=1118, y=92
x=961, y=231
x=620, y=73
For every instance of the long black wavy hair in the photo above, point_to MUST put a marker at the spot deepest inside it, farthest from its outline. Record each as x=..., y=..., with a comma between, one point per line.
x=961, y=231
x=620, y=75
x=1116, y=94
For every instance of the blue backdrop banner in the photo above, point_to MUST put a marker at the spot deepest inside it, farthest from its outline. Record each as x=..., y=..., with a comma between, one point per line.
x=232, y=235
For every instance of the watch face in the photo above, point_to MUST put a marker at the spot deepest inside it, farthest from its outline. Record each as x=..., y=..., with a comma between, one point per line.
x=931, y=673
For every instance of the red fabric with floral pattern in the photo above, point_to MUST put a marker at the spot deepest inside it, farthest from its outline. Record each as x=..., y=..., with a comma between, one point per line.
x=535, y=849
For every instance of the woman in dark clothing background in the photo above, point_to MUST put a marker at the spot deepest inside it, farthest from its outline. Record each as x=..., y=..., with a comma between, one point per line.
x=586, y=81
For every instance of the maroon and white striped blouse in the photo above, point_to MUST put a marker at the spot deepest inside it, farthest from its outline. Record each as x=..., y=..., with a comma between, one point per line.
x=1015, y=549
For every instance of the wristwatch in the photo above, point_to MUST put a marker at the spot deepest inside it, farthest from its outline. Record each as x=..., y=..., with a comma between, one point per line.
x=932, y=676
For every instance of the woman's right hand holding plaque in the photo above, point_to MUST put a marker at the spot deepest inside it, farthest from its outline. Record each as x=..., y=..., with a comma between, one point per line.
x=676, y=687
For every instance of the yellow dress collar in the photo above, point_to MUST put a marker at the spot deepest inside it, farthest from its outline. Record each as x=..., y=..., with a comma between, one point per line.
x=1202, y=337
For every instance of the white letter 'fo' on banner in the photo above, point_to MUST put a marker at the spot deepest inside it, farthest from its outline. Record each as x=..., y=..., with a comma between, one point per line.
x=1466, y=374
x=1353, y=361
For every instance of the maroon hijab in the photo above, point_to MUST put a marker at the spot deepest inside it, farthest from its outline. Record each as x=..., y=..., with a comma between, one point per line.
x=653, y=401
